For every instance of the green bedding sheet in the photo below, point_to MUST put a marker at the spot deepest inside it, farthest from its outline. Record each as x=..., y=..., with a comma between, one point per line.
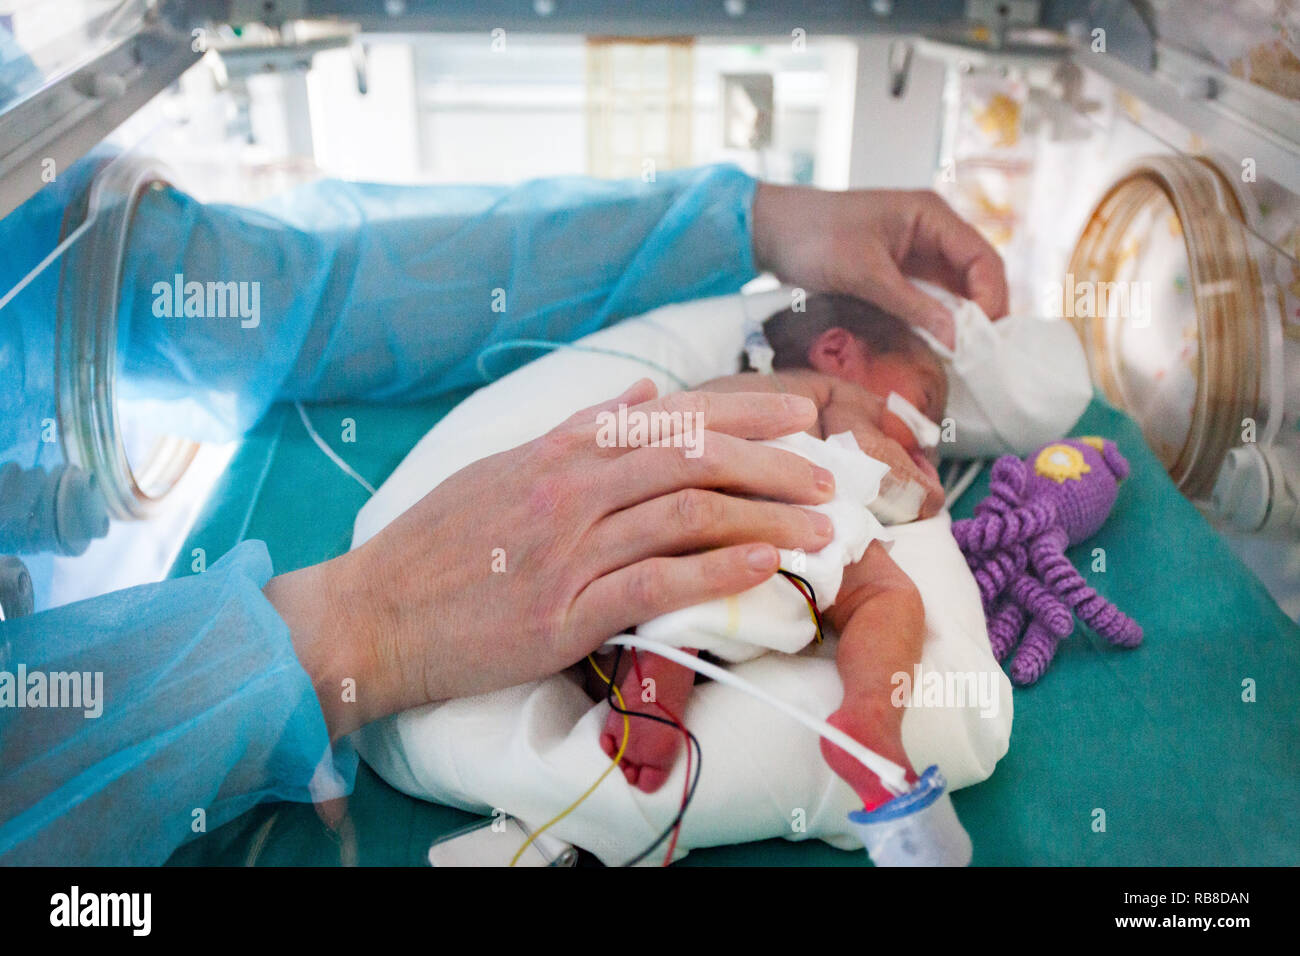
x=1184, y=751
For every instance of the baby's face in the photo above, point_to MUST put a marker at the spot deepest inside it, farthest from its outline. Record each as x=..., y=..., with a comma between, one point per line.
x=917, y=378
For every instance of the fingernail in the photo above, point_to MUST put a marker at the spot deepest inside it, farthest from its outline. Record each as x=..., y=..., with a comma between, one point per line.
x=825, y=480
x=762, y=557
x=822, y=524
x=636, y=386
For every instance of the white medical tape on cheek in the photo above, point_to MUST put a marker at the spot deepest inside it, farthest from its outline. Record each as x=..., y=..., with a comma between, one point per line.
x=925, y=431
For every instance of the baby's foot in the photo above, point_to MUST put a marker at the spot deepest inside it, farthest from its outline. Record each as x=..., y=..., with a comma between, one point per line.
x=879, y=727
x=651, y=746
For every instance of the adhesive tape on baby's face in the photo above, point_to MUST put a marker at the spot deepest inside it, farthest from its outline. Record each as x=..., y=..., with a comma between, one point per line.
x=925, y=431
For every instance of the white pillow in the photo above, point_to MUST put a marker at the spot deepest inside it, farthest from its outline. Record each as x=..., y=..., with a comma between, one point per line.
x=698, y=341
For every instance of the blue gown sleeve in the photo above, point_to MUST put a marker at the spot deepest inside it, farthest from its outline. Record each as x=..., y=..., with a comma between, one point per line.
x=387, y=293
x=338, y=290
x=190, y=707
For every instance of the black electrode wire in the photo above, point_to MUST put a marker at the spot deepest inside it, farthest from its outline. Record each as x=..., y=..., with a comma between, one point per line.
x=699, y=759
x=810, y=596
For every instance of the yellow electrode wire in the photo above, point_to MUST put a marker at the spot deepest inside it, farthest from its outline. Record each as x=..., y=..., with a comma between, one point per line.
x=812, y=613
x=599, y=780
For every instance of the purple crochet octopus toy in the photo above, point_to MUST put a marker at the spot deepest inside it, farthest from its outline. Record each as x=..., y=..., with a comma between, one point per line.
x=1015, y=546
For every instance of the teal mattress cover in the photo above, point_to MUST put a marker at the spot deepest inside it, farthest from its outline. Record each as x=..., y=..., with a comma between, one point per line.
x=1185, y=751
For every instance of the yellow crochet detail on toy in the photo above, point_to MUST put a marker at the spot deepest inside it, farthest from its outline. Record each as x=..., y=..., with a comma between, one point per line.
x=1059, y=462
x=1094, y=441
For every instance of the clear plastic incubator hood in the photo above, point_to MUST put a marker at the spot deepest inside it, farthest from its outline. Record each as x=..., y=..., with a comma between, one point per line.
x=1166, y=289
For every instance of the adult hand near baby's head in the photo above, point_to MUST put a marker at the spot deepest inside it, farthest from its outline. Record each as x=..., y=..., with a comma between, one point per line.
x=520, y=564
x=864, y=242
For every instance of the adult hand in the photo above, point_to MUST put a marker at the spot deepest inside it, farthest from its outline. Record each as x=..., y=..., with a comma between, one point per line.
x=592, y=540
x=863, y=242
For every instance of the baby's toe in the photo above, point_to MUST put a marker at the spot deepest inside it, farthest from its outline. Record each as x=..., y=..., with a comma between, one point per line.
x=651, y=779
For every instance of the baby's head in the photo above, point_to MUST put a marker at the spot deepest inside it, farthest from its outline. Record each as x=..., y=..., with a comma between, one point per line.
x=853, y=340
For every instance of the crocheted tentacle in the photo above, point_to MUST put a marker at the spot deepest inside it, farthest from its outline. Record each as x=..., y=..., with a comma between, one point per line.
x=989, y=532
x=1035, y=654
x=1006, y=481
x=1006, y=485
x=1110, y=622
x=993, y=572
x=1005, y=626
x=1042, y=604
x=1058, y=574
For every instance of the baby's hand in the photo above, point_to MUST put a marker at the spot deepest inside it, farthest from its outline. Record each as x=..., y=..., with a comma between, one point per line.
x=849, y=407
x=903, y=468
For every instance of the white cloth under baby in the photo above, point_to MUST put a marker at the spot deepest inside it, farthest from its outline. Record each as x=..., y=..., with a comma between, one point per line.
x=531, y=750
x=774, y=615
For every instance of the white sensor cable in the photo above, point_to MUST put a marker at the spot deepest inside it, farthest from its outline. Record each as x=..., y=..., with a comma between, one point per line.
x=891, y=774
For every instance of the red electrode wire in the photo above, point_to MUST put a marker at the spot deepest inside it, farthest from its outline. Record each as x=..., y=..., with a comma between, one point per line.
x=686, y=782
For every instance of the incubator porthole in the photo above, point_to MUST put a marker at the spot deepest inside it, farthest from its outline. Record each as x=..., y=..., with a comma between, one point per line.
x=105, y=432
x=1164, y=291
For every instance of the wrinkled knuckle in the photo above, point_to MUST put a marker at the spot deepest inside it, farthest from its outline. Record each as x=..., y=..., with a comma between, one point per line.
x=675, y=401
x=703, y=407
x=706, y=471
x=645, y=585
x=683, y=403
x=697, y=511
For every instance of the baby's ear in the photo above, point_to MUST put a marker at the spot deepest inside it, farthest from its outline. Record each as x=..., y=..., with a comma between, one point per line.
x=834, y=352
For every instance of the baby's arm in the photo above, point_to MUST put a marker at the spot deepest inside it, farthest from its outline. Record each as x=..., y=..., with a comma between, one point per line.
x=881, y=621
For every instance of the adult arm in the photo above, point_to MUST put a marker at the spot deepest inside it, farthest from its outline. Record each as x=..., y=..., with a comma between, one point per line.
x=202, y=696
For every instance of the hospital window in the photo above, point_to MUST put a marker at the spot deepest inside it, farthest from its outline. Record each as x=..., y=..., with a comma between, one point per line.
x=639, y=100
x=450, y=108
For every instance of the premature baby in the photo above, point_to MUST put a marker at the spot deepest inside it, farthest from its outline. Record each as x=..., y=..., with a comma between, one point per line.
x=847, y=356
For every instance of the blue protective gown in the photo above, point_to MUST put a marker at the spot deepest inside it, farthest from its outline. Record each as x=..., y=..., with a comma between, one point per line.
x=383, y=293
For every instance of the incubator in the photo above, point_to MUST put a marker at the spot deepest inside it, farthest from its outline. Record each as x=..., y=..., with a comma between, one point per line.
x=1150, y=197
x=1137, y=165
x=1165, y=146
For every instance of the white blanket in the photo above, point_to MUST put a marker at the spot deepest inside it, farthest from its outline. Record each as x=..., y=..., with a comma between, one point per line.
x=530, y=750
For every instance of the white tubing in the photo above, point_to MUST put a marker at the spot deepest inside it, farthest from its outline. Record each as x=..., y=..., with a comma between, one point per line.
x=959, y=488
x=330, y=453
x=891, y=774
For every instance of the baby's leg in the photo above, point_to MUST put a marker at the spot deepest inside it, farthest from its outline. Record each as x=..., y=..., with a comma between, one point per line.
x=651, y=747
x=881, y=621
